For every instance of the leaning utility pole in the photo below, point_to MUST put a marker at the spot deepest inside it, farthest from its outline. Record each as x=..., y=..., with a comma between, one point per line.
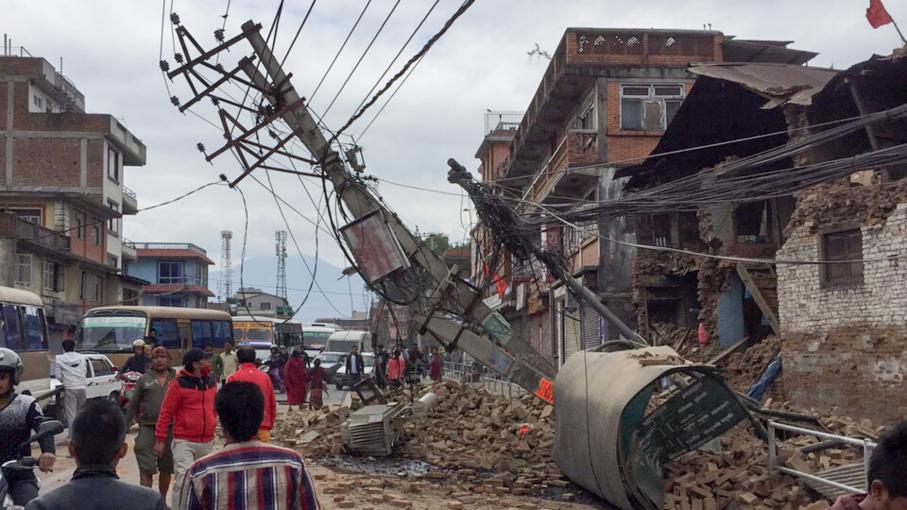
x=386, y=253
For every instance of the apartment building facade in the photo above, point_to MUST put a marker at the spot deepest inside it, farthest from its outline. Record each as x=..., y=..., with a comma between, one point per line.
x=177, y=274
x=61, y=193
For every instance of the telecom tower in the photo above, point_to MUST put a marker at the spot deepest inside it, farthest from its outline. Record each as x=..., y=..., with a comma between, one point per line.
x=225, y=263
x=280, y=237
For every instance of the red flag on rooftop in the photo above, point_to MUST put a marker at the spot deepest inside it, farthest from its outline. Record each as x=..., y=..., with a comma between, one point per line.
x=877, y=15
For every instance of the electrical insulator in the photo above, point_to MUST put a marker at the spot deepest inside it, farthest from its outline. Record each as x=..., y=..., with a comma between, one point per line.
x=174, y=18
x=178, y=57
x=165, y=66
x=201, y=147
x=219, y=35
x=175, y=100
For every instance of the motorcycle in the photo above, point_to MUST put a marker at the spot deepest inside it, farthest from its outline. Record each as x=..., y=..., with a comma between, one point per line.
x=27, y=463
x=129, y=381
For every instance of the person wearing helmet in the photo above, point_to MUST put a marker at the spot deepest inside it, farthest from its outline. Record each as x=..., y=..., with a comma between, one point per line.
x=20, y=415
x=138, y=362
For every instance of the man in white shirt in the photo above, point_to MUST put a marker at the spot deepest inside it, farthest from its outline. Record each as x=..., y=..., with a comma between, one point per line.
x=71, y=368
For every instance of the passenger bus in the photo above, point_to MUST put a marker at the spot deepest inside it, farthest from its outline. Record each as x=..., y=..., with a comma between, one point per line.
x=112, y=329
x=315, y=337
x=23, y=329
x=247, y=328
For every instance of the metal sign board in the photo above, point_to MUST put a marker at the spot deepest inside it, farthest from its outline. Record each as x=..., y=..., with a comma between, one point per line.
x=374, y=246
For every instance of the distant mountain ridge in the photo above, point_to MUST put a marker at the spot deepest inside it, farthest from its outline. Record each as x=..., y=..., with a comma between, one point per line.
x=261, y=272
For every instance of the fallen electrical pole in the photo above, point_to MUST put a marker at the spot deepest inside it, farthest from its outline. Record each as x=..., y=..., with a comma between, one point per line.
x=451, y=310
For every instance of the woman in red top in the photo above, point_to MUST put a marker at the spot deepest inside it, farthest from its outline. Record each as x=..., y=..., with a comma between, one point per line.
x=434, y=370
x=316, y=383
x=295, y=377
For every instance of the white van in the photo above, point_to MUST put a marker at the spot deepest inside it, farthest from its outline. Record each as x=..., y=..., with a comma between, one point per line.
x=343, y=342
x=337, y=348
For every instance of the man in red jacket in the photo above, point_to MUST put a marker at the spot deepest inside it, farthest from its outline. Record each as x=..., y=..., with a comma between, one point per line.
x=248, y=372
x=189, y=407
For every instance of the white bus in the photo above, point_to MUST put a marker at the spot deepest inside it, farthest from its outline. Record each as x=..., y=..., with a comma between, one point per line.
x=315, y=337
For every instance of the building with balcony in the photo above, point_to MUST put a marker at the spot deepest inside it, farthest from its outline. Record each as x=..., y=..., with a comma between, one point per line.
x=257, y=302
x=603, y=103
x=177, y=272
x=61, y=169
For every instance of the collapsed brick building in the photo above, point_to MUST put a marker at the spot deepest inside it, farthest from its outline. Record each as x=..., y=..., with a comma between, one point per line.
x=844, y=325
x=836, y=294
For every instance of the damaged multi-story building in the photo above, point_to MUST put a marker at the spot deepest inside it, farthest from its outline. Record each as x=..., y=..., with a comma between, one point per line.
x=790, y=219
x=604, y=102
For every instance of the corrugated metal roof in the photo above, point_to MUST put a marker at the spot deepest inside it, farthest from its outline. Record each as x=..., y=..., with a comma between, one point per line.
x=175, y=288
x=169, y=253
x=779, y=83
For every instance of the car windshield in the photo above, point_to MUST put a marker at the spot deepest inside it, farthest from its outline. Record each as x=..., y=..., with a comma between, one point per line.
x=110, y=333
x=341, y=345
x=368, y=359
x=315, y=340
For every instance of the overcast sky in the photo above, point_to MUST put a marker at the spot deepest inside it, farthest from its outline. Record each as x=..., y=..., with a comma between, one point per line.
x=110, y=51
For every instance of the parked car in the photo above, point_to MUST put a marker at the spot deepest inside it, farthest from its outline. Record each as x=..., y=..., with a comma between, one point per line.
x=337, y=368
x=102, y=381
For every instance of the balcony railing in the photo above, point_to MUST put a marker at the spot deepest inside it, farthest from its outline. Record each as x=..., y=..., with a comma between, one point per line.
x=11, y=226
x=502, y=121
x=577, y=146
x=129, y=193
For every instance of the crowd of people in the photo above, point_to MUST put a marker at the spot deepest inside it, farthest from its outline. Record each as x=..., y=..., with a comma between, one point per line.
x=177, y=413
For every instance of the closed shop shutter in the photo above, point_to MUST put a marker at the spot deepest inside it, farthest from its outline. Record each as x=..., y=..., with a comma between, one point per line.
x=592, y=335
x=572, y=329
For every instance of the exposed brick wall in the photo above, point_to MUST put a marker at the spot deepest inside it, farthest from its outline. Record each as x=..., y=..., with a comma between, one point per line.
x=623, y=145
x=46, y=162
x=847, y=347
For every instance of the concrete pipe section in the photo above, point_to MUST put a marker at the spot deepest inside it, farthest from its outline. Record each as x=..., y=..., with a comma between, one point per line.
x=613, y=441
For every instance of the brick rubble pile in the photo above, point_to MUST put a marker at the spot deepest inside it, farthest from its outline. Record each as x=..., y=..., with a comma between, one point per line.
x=490, y=445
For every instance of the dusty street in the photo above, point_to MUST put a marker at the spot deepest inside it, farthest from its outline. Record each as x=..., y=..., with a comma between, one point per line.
x=356, y=483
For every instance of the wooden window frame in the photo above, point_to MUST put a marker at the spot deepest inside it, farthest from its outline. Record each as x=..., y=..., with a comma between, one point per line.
x=825, y=279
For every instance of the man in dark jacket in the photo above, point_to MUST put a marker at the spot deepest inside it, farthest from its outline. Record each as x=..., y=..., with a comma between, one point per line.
x=20, y=415
x=355, y=366
x=138, y=362
x=98, y=443
x=381, y=357
x=145, y=407
x=189, y=407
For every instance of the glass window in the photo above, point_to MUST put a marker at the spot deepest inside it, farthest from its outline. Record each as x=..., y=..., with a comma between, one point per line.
x=170, y=272
x=201, y=333
x=113, y=165
x=96, y=231
x=113, y=224
x=238, y=334
x=649, y=107
x=23, y=268
x=221, y=332
x=110, y=333
x=48, y=276
x=166, y=332
x=34, y=339
x=100, y=367
x=10, y=326
x=266, y=306
x=79, y=227
x=30, y=215
x=176, y=301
